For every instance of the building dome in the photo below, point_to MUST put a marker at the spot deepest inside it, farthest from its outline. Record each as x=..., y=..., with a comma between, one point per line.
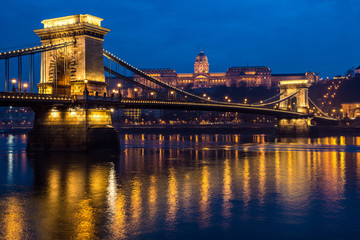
x=201, y=57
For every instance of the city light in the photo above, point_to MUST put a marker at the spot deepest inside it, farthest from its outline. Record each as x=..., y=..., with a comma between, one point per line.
x=13, y=82
x=25, y=85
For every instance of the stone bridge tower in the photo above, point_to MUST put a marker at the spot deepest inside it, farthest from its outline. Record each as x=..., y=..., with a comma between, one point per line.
x=67, y=71
x=289, y=87
x=64, y=71
x=298, y=126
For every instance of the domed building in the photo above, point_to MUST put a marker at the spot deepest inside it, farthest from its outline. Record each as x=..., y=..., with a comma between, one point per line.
x=201, y=71
x=249, y=76
x=201, y=77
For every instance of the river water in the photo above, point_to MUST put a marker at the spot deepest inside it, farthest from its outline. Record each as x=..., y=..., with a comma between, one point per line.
x=184, y=187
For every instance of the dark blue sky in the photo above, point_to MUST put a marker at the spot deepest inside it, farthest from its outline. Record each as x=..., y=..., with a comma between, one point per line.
x=286, y=35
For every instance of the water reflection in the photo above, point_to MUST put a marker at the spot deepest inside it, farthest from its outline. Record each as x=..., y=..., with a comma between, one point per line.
x=12, y=224
x=173, y=181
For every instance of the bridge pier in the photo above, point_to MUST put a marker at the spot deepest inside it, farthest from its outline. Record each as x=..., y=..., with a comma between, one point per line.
x=72, y=129
x=294, y=127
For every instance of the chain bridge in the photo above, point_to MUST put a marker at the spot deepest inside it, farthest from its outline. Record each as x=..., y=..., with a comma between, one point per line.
x=72, y=100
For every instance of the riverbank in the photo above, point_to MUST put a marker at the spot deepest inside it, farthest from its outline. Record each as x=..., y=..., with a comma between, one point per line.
x=315, y=131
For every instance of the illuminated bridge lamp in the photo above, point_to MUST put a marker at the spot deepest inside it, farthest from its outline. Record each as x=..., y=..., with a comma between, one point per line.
x=13, y=81
x=119, y=86
x=25, y=85
x=85, y=81
x=226, y=97
x=204, y=95
x=229, y=100
x=208, y=98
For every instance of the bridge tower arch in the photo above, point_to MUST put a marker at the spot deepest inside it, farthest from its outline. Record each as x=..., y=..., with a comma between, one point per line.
x=299, y=90
x=65, y=71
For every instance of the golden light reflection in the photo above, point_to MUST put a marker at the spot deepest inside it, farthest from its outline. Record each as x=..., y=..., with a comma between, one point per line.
x=54, y=185
x=172, y=196
x=246, y=183
x=136, y=202
x=186, y=194
x=262, y=176
x=277, y=170
x=85, y=222
x=227, y=192
x=152, y=197
x=98, y=182
x=13, y=224
x=74, y=185
x=118, y=226
x=205, y=196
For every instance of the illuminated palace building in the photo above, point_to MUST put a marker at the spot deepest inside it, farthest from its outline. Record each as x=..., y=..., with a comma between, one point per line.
x=234, y=77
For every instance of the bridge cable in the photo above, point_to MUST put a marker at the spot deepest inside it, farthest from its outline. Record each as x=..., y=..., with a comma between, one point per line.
x=280, y=100
x=317, y=108
x=264, y=101
x=37, y=49
x=151, y=79
x=129, y=80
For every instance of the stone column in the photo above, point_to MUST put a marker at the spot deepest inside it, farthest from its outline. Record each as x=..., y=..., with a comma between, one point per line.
x=72, y=129
x=294, y=127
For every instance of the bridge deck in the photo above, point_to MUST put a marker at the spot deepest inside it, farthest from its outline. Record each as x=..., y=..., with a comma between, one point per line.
x=33, y=100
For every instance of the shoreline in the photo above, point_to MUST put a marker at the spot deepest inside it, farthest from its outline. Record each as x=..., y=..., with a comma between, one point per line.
x=315, y=131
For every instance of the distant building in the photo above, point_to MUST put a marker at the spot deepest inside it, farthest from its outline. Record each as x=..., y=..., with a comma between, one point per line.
x=351, y=110
x=357, y=70
x=248, y=76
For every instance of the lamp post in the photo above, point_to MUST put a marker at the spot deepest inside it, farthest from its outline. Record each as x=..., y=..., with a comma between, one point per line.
x=25, y=85
x=13, y=81
x=86, y=92
x=119, y=86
